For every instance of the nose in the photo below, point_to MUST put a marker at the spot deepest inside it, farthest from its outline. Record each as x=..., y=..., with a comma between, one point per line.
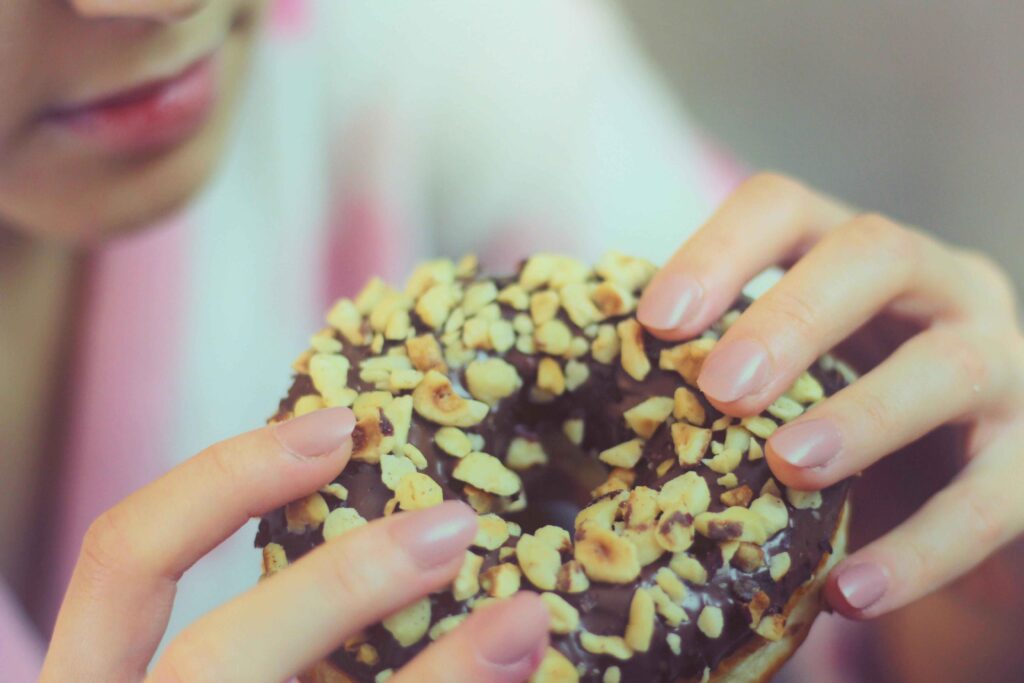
x=137, y=9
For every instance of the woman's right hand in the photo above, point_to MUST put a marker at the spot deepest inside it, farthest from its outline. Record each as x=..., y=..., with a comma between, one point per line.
x=120, y=595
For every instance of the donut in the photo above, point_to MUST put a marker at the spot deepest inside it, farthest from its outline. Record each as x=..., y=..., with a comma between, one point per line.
x=604, y=480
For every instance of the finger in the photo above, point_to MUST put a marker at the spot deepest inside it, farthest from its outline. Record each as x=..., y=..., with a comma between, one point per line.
x=868, y=265
x=766, y=221
x=120, y=593
x=502, y=643
x=959, y=527
x=936, y=377
x=299, y=615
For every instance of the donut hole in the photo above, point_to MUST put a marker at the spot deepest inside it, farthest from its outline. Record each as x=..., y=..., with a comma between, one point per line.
x=556, y=492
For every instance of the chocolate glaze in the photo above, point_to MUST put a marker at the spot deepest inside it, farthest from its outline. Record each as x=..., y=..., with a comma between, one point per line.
x=555, y=496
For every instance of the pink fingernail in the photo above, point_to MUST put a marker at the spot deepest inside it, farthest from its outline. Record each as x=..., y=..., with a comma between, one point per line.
x=670, y=300
x=514, y=631
x=862, y=585
x=734, y=370
x=437, y=535
x=317, y=433
x=814, y=443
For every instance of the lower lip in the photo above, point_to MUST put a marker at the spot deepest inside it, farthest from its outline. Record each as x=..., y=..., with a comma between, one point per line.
x=150, y=119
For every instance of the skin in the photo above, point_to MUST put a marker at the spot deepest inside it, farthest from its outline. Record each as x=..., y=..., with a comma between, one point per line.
x=850, y=271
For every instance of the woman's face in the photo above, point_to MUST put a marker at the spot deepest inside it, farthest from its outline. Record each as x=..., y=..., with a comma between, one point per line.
x=113, y=112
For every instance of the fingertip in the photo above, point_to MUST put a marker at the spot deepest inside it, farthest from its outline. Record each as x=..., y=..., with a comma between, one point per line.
x=512, y=635
x=670, y=304
x=318, y=433
x=857, y=587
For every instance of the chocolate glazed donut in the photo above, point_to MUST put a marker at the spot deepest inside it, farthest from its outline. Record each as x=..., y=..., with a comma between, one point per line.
x=604, y=480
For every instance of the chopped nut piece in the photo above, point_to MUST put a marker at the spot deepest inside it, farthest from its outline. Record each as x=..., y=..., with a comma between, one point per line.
x=453, y=326
x=393, y=468
x=436, y=400
x=644, y=538
x=515, y=296
x=425, y=353
x=306, y=513
x=806, y=389
x=555, y=536
x=345, y=317
x=274, y=559
x=487, y=473
x=605, y=347
x=409, y=625
x=675, y=531
x=324, y=341
x=539, y=561
x=335, y=489
x=399, y=413
x=491, y=532
x=550, y=377
x=778, y=566
x=329, y=373
x=384, y=676
x=467, y=583
x=564, y=617
x=404, y=380
x=453, y=441
x=641, y=507
x=600, y=513
x=612, y=300
x=737, y=438
x=434, y=306
x=522, y=324
x=367, y=655
x=771, y=487
x=467, y=266
x=399, y=326
x=576, y=374
x=524, y=453
x=629, y=272
x=571, y=578
x=605, y=556
x=691, y=443
x=748, y=557
x=772, y=627
x=672, y=613
x=755, y=452
x=741, y=495
x=689, y=569
x=501, y=580
x=785, y=409
x=634, y=357
x=671, y=584
x=428, y=274
x=687, y=492
x=732, y=524
x=721, y=424
x=803, y=500
x=686, y=406
x=481, y=501
x=645, y=417
x=760, y=426
x=478, y=295
x=710, y=621
x=544, y=306
x=415, y=455
x=445, y=626
x=613, y=646
x=726, y=461
x=502, y=336
x=390, y=304
x=675, y=643
x=555, y=668
x=369, y=440
x=773, y=513
x=640, y=627
x=492, y=379
x=624, y=455
x=308, y=404
x=552, y=337
x=537, y=271
x=612, y=674
x=578, y=306
x=687, y=359
x=573, y=430
x=757, y=606
x=417, y=491
x=728, y=481
x=476, y=334
x=664, y=466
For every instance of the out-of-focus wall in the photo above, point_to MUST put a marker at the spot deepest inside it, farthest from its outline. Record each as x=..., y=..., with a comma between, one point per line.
x=912, y=107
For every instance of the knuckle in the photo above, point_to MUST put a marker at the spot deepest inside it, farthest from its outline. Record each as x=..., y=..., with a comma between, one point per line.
x=983, y=518
x=190, y=659
x=349, y=578
x=962, y=356
x=990, y=278
x=884, y=235
x=795, y=310
x=917, y=561
x=875, y=411
x=776, y=185
x=106, y=548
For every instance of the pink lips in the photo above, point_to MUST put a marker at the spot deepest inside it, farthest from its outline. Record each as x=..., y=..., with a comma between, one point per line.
x=149, y=117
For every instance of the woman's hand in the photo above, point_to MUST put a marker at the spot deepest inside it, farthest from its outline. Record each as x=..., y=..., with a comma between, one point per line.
x=962, y=362
x=120, y=595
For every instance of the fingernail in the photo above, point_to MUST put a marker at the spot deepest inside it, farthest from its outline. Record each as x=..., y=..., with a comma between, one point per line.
x=734, y=370
x=317, y=433
x=669, y=301
x=437, y=535
x=514, y=631
x=862, y=585
x=807, y=444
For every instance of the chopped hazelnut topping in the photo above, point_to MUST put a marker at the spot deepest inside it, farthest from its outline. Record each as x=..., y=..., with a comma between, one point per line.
x=741, y=495
x=417, y=491
x=550, y=377
x=487, y=473
x=515, y=296
x=806, y=389
x=748, y=557
x=640, y=627
x=803, y=500
x=491, y=532
x=605, y=347
x=308, y=404
x=544, y=306
x=691, y=443
x=675, y=531
x=552, y=337
x=576, y=374
x=478, y=295
x=329, y=372
x=732, y=524
x=760, y=426
x=335, y=489
x=573, y=430
x=645, y=417
x=554, y=536
x=726, y=461
x=773, y=513
x=467, y=583
x=434, y=306
x=436, y=400
x=612, y=674
x=274, y=559
x=502, y=336
x=571, y=578
x=629, y=272
x=772, y=627
x=306, y=513
x=345, y=317
x=785, y=409
x=555, y=668
x=578, y=306
x=710, y=621
x=492, y=379
x=612, y=300
x=675, y=643
x=564, y=617
x=687, y=492
x=425, y=353
x=446, y=625
x=501, y=580
x=778, y=566
x=633, y=357
x=641, y=507
x=525, y=453
x=393, y=468
x=686, y=406
x=539, y=561
x=453, y=441
x=672, y=613
x=613, y=646
x=670, y=583
x=607, y=557
x=426, y=275
x=689, y=569
x=415, y=456
x=624, y=455
x=687, y=359
x=409, y=625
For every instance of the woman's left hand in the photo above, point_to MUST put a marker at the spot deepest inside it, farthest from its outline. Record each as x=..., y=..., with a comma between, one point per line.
x=963, y=362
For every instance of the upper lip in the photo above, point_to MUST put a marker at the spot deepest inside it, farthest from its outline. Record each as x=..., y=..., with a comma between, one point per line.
x=136, y=91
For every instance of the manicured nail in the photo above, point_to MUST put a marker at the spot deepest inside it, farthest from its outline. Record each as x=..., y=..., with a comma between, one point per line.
x=317, y=433
x=514, y=631
x=862, y=585
x=437, y=535
x=670, y=300
x=734, y=370
x=807, y=444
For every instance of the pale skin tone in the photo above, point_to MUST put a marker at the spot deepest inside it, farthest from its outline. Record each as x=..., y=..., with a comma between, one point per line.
x=962, y=363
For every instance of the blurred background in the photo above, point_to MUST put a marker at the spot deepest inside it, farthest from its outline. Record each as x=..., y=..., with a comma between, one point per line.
x=913, y=107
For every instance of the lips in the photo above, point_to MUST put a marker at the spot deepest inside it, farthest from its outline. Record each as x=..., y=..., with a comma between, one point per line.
x=147, y=118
